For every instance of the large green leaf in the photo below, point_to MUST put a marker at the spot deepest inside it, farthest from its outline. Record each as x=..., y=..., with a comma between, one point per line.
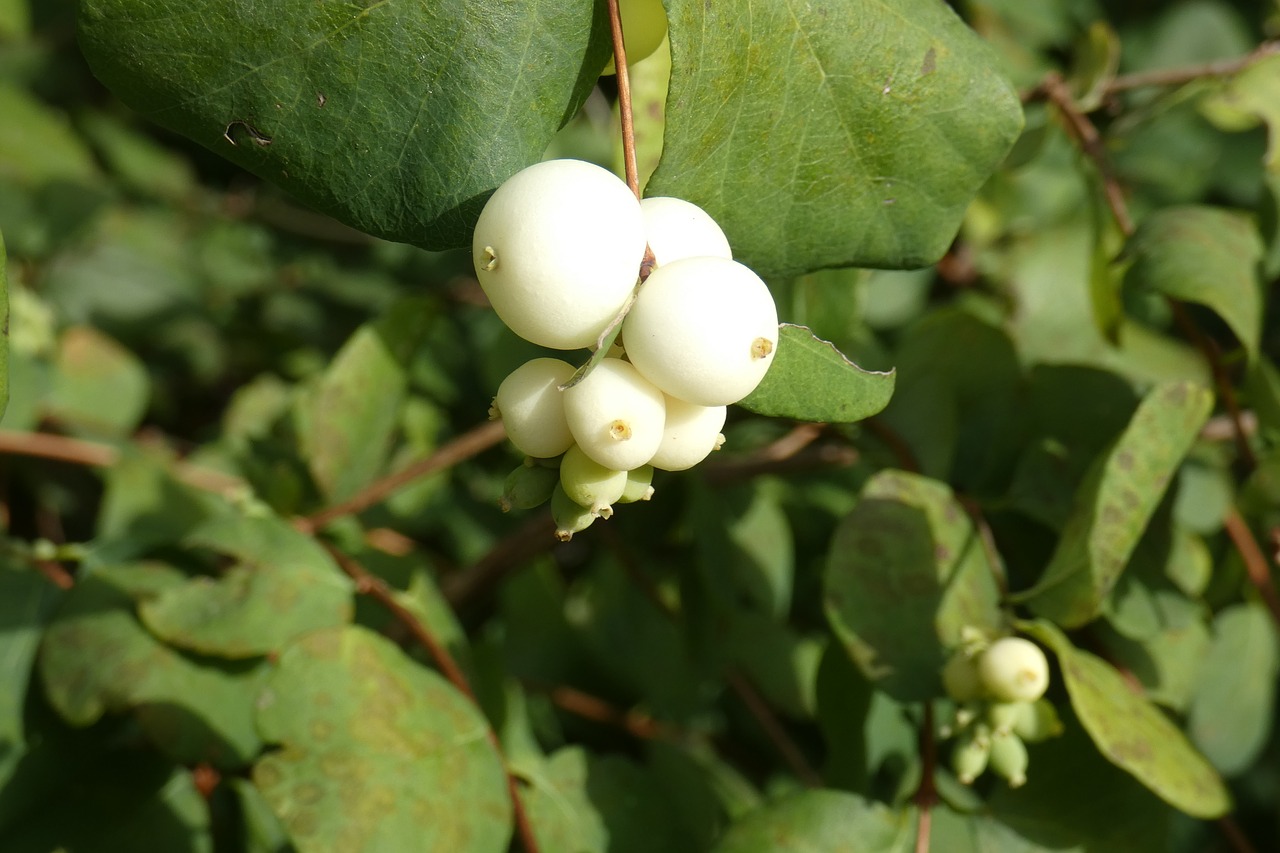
x=377, y=753
x=906, y=573
x=1132, y=733
x=397, y=118
x=4, y=329
x=1233, y=709
x=1115, y=503
x=97, y=657
x=810, y=380
x=1205, y=255
x=823, y=135
x=25, y=601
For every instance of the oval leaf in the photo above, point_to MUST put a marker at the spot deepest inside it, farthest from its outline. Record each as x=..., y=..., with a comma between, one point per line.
x=1115, y=503
x=378, y=753
x=396, y=118
x=1132, y=733
x=832, y=134
x=1205, y=255
x=810, y=380
x=819, y=820
x=907, y=572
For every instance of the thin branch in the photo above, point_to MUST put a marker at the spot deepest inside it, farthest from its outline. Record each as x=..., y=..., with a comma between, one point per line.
x=624, y=99
x=377, y=589
x=59, y=448
x=527, y=541
x=794, y=451
x=1255, y=562
x=634, y=723
x=926, y=796
x=471, y=443
x=1055, y=89
x=1191, y=73
x=773, y=727
x=1235, y=835
x=896, y=443
x=55, y=573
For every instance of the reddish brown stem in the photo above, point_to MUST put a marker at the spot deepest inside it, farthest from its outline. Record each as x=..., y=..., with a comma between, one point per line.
x=624, y=99
x=593, y=708
x=58, y=575
x=1235, y=835
x=376, y=588
x=1191, y=73
x=773, y=728
x=926, y=796
x=469, y=444
x=1255, y=562
x=530, y=539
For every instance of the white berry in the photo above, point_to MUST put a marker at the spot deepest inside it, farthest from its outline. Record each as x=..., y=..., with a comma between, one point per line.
x=1014, y=670
x=689, y=435
x=703, y=330
x=531, y=407
x=615, y=415
x=557, y=250
x=679, y=229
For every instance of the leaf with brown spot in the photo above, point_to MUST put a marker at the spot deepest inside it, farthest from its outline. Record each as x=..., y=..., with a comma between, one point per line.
x=377, y=752
x=1117, y=499
x=1132, y=733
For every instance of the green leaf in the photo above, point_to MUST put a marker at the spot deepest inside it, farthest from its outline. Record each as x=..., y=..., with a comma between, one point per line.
x=96, y=657
x=1233, y=708
x=1116, y=501
x=1248, y=99
x=98, y=386
x=820, y=820
x=346, y=422
x=37, y=144
x=1132, y=733
x=1205, y=255
x=377, y=752
x=906, y=573
x=600, y=804
x=810, y=380
x=4, y=329
x=396, y=118
x=1097, y=57
x=827, y=136
x=26, y=599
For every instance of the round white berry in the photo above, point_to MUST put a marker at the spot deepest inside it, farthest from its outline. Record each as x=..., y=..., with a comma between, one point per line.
x=689, y=435
x=1014, y=670
x=679, y=229
x=703, y=330
x=557, y=250
x=615, y=415
x=531, y=407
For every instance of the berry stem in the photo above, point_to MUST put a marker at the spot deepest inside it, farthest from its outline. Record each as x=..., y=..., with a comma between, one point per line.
x=624, y=99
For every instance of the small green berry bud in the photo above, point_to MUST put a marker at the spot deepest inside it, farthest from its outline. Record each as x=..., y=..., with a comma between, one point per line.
x=970, y=754
x=1009, y=758
x=639, y=485
x=1002, y=716
x=570, y=518
x=528, y=486
x=1037, y=721
x=960, y=677
x=590, y=484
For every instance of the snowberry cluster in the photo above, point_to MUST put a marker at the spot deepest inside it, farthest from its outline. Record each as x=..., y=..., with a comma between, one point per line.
x=558, y=250
x=999, y=690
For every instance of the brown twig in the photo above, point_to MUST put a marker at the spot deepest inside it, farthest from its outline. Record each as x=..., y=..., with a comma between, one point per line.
x=59, y=448
x=624, y=99
x=1255, y=562
x=772, y=727
x=1055, y=89
x=472, y=442
x=926, y=796
x=1235, y=835
x=794, y=451
x=55, y=573
x=896, y=443
x=1191, y=73
x=377, y=589
x=530, y=539
x=593, y=708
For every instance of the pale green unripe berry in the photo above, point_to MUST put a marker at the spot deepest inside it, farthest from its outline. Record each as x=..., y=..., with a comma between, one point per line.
x=589, y=484
x=1009, y=758
x=531, y=406
x=1037, y=721
x=557, y=250
x=704, y=330
x=1002, y=716
x=969, y=754
x=960, y=678
x=679, y=229
x=615, y=415
x=569, y=517
x=644, y=26
x=689, y=434
x=1013, y=669
x=528, y=486
x=639, y=485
